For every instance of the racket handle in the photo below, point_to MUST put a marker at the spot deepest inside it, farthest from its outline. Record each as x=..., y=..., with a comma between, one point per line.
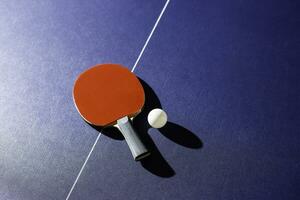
x=136, y=146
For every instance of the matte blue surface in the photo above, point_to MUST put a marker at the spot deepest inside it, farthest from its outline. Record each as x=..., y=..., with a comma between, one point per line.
x=44, y=45
x=226, y=72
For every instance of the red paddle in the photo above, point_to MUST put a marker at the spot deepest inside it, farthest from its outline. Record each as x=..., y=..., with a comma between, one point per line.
x=111, y=95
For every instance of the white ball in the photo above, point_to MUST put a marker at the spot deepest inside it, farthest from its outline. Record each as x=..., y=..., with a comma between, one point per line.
x=157, y=118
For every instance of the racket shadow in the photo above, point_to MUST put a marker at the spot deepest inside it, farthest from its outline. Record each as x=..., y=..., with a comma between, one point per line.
x=111, y=132
x=156, y=163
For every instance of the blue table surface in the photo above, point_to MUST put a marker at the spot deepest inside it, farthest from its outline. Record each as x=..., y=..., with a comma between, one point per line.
x=226, y=72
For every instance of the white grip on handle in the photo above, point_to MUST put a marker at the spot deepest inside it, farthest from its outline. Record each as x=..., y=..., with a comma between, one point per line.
x=137, y=148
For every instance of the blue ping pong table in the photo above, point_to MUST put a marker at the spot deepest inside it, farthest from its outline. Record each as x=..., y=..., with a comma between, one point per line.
x=226, y=72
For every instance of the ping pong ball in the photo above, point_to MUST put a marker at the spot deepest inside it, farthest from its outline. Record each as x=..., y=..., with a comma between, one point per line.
x=157, y=118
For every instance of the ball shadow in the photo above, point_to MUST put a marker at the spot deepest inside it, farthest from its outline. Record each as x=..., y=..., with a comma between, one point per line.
x=181, y=135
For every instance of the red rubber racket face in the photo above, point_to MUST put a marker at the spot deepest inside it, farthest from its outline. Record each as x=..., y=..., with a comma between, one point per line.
x=107, y=92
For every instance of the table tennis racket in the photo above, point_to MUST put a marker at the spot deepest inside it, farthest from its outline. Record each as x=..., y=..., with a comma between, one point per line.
x=111, y=95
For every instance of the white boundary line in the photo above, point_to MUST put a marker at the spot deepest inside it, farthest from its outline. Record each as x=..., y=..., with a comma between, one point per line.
x=150, y=35
x=133, y=68
x=83, y=166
